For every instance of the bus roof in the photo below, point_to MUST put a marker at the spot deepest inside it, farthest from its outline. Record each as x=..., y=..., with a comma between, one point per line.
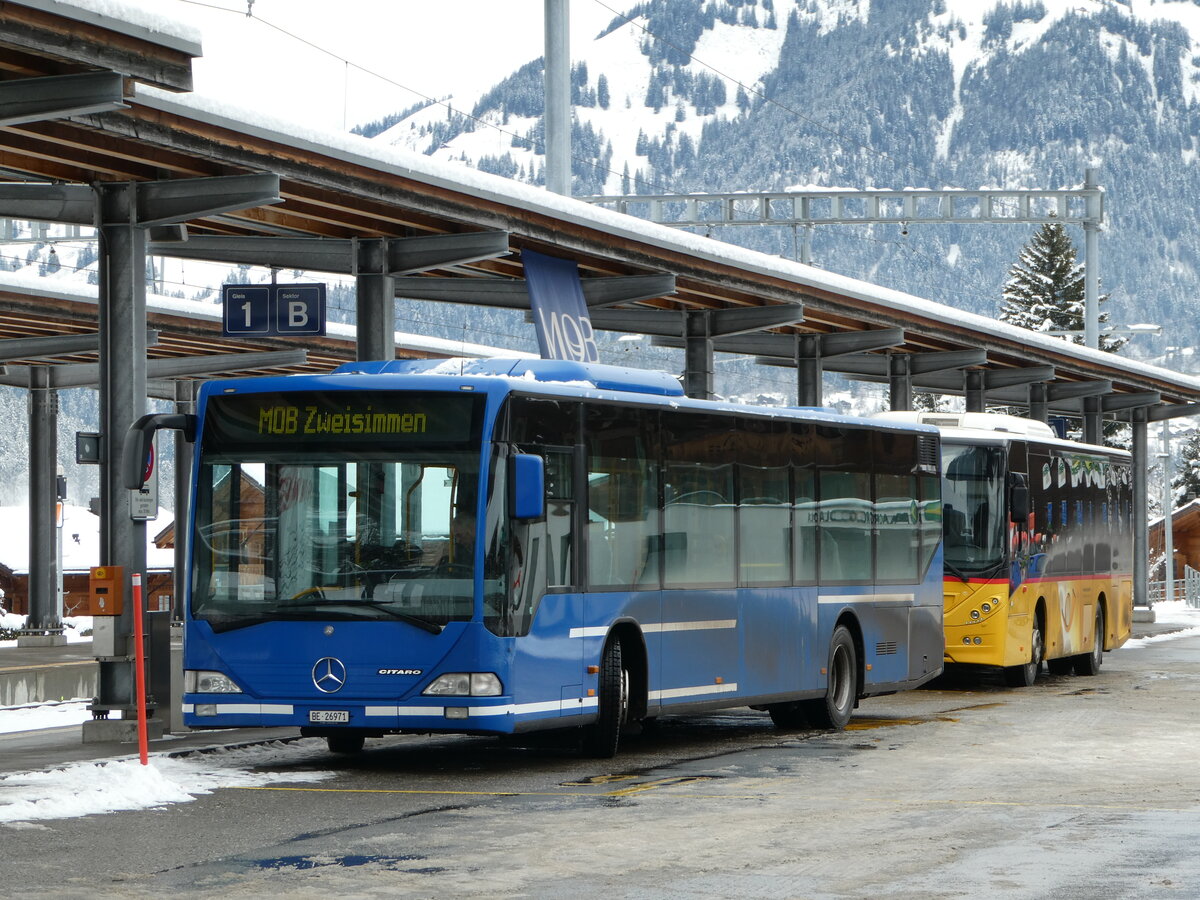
x=994, y=428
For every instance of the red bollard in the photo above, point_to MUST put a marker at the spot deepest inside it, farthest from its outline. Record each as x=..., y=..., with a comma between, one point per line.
x=139, y=664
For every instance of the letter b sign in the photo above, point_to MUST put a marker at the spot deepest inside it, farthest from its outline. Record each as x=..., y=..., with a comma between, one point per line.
x=300, y=309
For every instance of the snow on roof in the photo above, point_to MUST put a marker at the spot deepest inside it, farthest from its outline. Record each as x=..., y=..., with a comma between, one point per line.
x=38, y=286
x=135, y=21
x=80, y=544
x=463, y=179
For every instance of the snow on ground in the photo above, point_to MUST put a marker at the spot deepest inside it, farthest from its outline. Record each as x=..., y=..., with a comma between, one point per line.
x=84, y=789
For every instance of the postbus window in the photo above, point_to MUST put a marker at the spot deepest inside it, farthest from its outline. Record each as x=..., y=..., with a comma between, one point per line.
x=623, y=511
x=764, y=524
x=930, y=519
x=847, y=541
x=807, y=515
x=699, y=548
x=896, y=535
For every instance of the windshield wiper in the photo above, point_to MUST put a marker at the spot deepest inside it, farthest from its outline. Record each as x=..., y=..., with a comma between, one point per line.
x=425, y=624
x=955, y=571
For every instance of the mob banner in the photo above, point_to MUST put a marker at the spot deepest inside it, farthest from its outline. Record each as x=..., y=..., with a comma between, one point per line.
x=560, y=315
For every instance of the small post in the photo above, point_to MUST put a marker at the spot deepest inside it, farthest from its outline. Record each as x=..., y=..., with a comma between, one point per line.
x=1168, y=516
x=1091, y=264
x=139, y=649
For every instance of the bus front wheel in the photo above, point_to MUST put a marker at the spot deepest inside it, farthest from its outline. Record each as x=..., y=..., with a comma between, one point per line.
x=1026, y=675
x=345, y=743
x=1089, y=663
x=834, y=709
x=601, y=737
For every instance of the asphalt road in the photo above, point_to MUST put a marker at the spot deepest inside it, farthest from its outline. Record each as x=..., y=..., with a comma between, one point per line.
x=1075, y=788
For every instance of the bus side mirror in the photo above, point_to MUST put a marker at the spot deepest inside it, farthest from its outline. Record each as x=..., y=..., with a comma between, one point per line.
x=527, y=486
x=1018, y=499
x=139, y=441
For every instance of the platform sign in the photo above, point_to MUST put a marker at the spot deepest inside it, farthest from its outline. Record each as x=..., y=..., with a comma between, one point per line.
x=143, y=503
x=272, y=310
x=300, y=308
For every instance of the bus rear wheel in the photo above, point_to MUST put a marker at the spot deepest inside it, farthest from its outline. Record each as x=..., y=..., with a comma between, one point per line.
x=1026, y=675
x=1089, y=663
x=788, y=716
x=601, y=737
x=834, y=709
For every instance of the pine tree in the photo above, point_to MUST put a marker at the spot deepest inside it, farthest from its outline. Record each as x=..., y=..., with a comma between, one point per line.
x=1044, y=291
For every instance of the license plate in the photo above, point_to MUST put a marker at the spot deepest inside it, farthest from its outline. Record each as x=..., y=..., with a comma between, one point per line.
x=328, y=715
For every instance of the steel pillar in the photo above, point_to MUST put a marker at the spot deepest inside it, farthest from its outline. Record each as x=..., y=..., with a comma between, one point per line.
x=1141, y=532
x=557, y=120
x=375, y=292
x=1039, y=402
x=974, y=389
x=122, y=313
x=45, y=615
x=809, y=375
x=1092, y=420
x=698, y=356
x=900, y=389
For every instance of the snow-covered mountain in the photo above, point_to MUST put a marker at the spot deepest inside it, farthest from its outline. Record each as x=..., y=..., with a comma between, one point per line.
x=706, y=95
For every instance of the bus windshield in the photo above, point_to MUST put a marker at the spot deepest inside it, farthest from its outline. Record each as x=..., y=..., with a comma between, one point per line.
x=342, y=526
x=973, y=508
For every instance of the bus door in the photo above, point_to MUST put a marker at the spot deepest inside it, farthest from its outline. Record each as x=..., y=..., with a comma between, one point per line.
x=701, y=621
x=542, y=582
x=543, y=600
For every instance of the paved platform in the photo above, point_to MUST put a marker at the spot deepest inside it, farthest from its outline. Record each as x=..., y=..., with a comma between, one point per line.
x=26, y=751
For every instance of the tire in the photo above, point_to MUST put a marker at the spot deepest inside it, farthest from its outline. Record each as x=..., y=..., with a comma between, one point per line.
x=1089, y=663
x=788, y=716
x=345, y=743
x=835, y=708
x=1025, y=675
x=1061, y=666
x=600, y=739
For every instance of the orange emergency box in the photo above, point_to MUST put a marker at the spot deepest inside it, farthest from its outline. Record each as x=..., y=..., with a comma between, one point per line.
x=106, y=591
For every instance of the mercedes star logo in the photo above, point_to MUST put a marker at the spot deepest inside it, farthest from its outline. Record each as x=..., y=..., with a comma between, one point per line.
x=329, y=674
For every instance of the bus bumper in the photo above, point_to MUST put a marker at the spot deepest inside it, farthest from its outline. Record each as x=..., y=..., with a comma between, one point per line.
x=498, y=715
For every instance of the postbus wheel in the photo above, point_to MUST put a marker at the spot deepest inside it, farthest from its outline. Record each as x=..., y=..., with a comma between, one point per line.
x=1089, y=663
x=601, y=737
x=1026, y=675
x=834, y=709
x=345, y=743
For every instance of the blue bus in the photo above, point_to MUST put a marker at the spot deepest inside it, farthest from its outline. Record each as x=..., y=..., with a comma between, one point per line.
x=503, y=546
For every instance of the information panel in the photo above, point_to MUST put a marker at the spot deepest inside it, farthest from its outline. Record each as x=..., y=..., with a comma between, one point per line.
x=272, y=310
x=342, y=418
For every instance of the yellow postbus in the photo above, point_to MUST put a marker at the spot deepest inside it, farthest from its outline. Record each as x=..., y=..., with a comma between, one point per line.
x=1038, y=552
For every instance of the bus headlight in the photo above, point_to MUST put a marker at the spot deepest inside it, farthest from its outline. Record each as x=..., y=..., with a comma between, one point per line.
x=196, y=681
x=975, y=615
x=465, y=684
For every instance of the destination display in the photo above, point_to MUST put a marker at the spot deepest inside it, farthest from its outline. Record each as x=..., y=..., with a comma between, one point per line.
x=344, y=417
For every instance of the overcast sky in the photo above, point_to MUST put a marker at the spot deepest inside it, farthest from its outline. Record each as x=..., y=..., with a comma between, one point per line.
x=430, y=47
